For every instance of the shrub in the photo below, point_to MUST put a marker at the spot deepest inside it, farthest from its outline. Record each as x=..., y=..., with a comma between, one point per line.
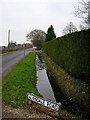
x=71, y=52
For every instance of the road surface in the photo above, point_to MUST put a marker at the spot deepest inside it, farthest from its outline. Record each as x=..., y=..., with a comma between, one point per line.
x=11, y=59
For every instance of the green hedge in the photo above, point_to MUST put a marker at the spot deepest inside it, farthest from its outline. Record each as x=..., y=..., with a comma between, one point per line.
x=71, y=52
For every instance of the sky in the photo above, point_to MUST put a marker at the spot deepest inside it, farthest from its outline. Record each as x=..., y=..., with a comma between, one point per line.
x=23, y=16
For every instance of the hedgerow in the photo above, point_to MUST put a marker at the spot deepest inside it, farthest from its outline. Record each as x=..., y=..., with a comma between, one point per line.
x=71, y=52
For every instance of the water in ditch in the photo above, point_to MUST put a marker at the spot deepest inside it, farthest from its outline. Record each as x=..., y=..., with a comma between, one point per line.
x=43, y=85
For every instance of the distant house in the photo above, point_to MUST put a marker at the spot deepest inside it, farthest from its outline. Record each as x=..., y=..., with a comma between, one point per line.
x=27, y=45
x=19, y=45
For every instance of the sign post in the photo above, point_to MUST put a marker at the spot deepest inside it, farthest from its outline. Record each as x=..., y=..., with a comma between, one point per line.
x=24, y=52
x=24, y=55
x=43, y=102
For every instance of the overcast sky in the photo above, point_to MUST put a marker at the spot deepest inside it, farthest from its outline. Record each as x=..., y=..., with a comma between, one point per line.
x=23, y=16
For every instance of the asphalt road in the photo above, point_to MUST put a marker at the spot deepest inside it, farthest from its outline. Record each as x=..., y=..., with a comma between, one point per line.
x=11, y=59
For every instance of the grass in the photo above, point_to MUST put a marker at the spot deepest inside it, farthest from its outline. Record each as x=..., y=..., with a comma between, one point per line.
x=10, y=52
x=20, y=81
x=7, y=53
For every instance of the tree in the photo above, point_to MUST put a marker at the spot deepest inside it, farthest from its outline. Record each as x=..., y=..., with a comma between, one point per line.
x=82, y=10
x=12, y=44
x=50, y=34
x=37, y=37
x=69, y=28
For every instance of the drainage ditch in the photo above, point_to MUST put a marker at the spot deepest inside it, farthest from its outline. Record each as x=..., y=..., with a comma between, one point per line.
x=49, y=89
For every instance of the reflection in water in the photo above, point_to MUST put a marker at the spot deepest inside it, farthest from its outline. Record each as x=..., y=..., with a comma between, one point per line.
x=43, y=84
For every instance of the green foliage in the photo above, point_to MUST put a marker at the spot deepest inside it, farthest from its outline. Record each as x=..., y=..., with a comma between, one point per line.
x=71, y=52
x=37, y=37
x=20, y=81
x=50, y=34
x=11, y=45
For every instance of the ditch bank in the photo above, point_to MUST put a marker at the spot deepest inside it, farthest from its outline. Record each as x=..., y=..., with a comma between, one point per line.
x=71, y=92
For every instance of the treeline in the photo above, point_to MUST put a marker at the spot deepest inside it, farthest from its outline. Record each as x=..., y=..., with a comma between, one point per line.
x=71, y=52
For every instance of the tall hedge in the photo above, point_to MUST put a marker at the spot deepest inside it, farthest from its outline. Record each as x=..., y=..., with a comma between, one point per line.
x=71, y=52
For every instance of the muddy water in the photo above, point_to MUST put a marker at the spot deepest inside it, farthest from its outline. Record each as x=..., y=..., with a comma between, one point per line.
x=43, y=85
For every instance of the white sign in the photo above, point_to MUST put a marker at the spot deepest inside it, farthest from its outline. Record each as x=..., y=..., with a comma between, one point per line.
x=41, y=101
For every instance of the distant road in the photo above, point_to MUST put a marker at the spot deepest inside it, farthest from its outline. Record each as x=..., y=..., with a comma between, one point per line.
x=11, y=59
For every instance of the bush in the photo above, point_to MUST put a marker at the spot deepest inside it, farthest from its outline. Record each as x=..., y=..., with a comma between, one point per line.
x=71, y=52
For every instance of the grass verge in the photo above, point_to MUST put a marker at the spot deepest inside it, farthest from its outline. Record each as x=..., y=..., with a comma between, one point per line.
x=8, y=52
x=20, y=81
x=73, y=89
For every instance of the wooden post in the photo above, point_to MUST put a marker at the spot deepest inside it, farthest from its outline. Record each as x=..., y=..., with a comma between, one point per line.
x=59, y=109
x=29, y=102
x=58, y=113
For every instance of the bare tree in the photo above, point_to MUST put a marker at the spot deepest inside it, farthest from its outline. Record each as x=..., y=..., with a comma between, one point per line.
x=82, y=10
x=69, y=28
x=37, y=37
